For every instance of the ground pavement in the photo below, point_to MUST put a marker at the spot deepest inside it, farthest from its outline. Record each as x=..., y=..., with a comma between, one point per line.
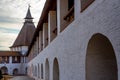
x=22, y=78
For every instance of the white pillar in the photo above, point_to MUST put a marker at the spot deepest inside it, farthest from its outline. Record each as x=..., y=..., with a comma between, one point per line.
x=24, y=60
x=77, y=8
x=37, y=44
x=51, y=25
x=36, y=48
x=40, y=42
x=10, y=59
x=31, y=54
x=62, y=9
x=45, y=35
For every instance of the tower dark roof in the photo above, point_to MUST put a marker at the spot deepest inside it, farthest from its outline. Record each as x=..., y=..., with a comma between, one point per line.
x=26, y=34
x=28, y=16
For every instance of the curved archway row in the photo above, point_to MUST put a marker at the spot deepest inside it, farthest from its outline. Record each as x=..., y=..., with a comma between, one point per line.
x=101, y=61
x=38, y=71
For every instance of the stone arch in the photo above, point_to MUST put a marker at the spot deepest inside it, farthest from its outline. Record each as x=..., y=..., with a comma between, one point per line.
x=101, y=62
x=4, y=70
x=47, y=70
x=15, y=71
x=55, y=69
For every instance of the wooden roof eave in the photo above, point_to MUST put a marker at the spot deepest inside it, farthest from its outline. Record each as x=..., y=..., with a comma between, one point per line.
x=45, y=11
x=39, y=25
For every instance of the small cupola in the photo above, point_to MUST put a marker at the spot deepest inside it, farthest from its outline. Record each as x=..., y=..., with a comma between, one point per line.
x=28, y=17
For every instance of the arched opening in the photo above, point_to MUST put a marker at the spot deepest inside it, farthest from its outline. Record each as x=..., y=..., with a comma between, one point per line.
x=38, y=71
x=32, y=72
x=47, y=70
x=42, y=71
x=29, y=70
x=15, y=71
x=4, y=70
x=35, y=71
x=26, y=70
x=55, y=70
x=100, y=59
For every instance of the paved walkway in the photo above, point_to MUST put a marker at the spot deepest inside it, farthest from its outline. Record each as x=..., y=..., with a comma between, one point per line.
x=21, y=78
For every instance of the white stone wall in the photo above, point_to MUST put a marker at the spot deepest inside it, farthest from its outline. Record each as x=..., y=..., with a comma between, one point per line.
x=11, y=67
x=70, y=46
x=24, y=49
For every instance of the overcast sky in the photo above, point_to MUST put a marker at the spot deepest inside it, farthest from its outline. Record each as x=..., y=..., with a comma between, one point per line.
x=12, y=13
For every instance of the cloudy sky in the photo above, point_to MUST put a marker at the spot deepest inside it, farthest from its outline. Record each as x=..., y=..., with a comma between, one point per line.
x=12, y=13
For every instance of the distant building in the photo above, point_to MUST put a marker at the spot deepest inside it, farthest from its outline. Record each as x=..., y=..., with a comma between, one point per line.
x=10, y=62
x=24, y=37
x=14, y=62
x=76, y=40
